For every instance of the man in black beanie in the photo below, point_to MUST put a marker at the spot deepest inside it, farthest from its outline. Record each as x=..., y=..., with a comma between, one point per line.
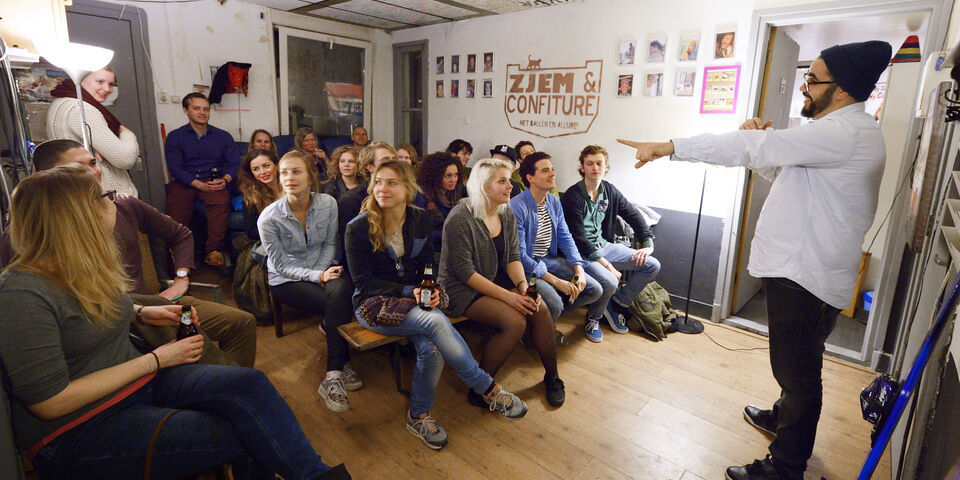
x=806, y=249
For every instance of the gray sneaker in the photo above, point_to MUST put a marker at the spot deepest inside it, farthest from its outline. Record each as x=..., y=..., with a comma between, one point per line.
x=426, y=429
x=506, y=403
x=332, y=391
x=351, y=380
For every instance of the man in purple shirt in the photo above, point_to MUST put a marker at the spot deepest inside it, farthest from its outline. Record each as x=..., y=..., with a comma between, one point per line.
x=202, y=159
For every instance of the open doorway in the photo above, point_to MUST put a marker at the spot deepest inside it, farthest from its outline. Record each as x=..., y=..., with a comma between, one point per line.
x=789, y=46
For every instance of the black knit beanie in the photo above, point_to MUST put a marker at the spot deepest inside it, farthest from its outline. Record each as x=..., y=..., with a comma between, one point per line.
x=856, y=67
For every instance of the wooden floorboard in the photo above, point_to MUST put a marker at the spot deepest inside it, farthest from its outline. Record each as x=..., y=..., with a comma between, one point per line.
x=636, y=409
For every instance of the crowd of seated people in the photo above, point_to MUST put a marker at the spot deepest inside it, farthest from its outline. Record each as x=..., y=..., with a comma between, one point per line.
x=345, y=235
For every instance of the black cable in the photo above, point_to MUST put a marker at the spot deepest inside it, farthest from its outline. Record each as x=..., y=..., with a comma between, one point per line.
x=696, y=238
x=744, y=349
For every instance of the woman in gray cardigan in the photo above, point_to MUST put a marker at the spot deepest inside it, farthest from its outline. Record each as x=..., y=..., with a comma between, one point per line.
x=481, y=271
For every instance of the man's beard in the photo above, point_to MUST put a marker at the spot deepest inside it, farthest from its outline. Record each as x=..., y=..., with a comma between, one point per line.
x=820, y=104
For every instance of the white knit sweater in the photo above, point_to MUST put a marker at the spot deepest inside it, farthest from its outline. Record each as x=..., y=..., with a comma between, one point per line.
x=120, y=153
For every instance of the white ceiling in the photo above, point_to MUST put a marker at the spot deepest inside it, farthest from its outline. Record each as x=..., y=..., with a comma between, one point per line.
x=399, y=14
x=893, y=29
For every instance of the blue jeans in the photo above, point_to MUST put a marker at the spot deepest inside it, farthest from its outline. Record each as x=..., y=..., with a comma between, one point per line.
x=435, y=339
x=557, y=304
x=228, y=415
x=619, y=255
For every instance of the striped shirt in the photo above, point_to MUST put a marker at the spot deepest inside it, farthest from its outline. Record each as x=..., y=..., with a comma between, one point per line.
x=544, y=232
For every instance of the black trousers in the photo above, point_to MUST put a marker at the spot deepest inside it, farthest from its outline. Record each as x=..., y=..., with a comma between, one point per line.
x=333, y=302
x=799, y=326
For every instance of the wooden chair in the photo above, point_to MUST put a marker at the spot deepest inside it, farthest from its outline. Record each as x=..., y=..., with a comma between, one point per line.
x=152, y=281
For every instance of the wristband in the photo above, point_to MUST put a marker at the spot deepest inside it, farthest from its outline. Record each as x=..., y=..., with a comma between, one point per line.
x=140, y=313
x=155, y=357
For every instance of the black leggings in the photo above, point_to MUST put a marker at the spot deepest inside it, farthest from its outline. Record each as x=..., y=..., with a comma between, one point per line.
x=333, y=302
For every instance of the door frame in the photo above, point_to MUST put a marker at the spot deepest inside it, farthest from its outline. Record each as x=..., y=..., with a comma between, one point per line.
x=398, y=50
x=761, y=22
x=284, y=98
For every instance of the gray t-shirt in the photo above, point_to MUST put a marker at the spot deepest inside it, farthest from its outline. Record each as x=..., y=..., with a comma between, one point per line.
x=45, y=342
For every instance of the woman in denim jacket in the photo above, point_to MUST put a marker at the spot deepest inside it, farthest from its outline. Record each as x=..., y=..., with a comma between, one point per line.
x=387, y=248
x=299, y=234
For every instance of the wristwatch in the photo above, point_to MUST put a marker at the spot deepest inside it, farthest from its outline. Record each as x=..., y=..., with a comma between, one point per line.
x=182, y=273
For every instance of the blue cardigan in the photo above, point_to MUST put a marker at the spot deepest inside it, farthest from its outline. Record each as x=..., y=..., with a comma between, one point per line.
x=525, y=209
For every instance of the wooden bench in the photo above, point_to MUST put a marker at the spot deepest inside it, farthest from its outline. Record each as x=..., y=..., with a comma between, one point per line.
x=362, y=339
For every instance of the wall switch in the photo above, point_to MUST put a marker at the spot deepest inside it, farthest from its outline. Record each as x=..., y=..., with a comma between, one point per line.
x=175, y=99
x=162, y=97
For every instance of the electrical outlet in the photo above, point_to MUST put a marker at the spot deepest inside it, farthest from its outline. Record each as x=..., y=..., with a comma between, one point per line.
x=175, y=99
x=162, y=97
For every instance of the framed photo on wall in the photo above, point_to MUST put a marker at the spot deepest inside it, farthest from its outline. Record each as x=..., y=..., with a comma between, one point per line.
x=471, y=89
x=654, y=84
x=684, y=84
x=657, y=49
x=488, y=62
x=487, y=88
x=720, y=87
x=472, y=63
x=689, y=47
x=439, y=65
x=625, y=85
x=440, y=88
x=454, y=63
x=626, y=51
x=454, y=88
x=726, y=43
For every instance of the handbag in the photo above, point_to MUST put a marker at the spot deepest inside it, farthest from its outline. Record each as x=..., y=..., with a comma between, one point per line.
x=383, y=310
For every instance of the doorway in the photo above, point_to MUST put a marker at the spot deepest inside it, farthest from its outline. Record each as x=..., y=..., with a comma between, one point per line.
x=409, y=93
x=787, y=42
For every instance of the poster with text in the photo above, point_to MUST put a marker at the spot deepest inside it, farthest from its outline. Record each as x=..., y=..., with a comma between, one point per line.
x=552, y=101
x=720, y=88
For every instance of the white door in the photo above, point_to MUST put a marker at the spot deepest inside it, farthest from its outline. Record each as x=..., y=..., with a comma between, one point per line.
x=779, y=77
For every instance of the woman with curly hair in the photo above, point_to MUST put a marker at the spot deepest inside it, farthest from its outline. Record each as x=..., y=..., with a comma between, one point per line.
x=438, y=176
x=344, y=171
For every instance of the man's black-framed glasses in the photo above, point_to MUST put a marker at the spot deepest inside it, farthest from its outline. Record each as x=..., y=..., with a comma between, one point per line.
x=811, y=80
x=110, y=195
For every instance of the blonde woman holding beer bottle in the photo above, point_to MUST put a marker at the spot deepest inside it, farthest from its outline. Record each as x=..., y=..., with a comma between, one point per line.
x=388, y=248
x=480, y=267
x=85, y=403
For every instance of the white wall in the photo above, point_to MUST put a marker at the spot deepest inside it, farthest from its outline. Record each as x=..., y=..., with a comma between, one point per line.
x=560, y=36
x=187, y=38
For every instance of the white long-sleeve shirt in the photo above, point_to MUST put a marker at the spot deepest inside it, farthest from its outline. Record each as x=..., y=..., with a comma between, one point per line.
x=120, y=152
x=826, y=178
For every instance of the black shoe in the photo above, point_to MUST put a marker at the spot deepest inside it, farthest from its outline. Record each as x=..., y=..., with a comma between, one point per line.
x=764, y=420
x=475, y=399
x=555, y=392
x=336, y=473
x=758, y=470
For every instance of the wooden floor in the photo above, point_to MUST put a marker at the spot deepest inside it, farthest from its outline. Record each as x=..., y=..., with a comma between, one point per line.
x=635, y=409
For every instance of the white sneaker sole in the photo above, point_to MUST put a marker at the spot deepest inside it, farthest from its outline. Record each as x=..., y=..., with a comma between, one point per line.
x=613, y=325
x=333, y=406
x=425, y=442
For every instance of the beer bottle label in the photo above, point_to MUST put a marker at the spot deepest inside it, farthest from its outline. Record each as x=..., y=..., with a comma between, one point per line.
x=425, y=294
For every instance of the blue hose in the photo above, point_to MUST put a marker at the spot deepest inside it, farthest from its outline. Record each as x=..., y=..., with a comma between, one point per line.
x=909, y=384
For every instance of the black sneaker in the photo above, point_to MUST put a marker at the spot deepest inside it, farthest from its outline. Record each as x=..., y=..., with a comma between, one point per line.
x=336, y=473
x=758, y=470
x=555, y=392
x=764, y=420
x=475, y=399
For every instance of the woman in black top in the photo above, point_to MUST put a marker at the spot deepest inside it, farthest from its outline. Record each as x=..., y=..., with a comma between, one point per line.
x=387, y=249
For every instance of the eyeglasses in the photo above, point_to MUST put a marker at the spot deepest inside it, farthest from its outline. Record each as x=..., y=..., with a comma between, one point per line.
x=111, y=195
x=811, y=80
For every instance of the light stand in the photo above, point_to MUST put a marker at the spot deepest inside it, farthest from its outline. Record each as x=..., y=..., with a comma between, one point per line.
x=77, y=61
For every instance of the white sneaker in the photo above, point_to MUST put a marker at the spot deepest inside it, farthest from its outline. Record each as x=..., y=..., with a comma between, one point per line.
x=332, y=391
x=351, y=380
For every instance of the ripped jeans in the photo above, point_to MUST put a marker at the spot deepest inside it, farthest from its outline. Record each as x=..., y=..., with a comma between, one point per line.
x=435, y=339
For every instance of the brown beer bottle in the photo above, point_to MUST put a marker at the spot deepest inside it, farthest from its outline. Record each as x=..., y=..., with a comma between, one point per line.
x=532, y=288
x=427, y=285
x=187, y=328
x=576, y=278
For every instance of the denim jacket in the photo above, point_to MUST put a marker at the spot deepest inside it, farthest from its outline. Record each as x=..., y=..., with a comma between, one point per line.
x=291, y=255
x=525, y=208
